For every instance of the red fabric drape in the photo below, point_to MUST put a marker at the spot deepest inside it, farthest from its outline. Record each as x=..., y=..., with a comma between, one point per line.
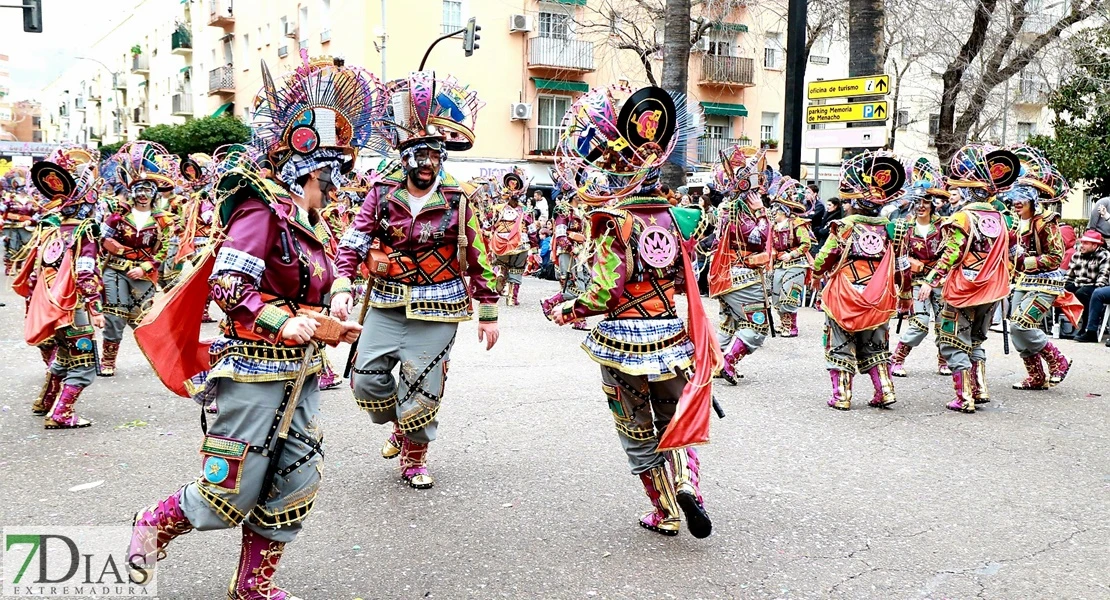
x=52, y=304
x=720, y=270
x=169, y=335
x=991, y=284
x=690, y=425
x=854, y=311
x=1070, y=306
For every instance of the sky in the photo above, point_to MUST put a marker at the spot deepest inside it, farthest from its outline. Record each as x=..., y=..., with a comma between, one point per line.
x=69, y=27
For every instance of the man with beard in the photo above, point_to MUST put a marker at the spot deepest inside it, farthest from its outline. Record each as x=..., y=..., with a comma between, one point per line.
x=422, y=241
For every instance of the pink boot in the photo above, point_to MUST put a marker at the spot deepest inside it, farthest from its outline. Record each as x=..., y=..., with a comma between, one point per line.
x=964, y=402
x=516, y=294
x=897, y=362
x=154, y=528
x=61, y=416
x=686, y=469
x=1058, y=364
x=414, y=467
x=206, y=318
x=392, y=447
x=978, y=374
x=884, y=386
x=48, y=395
x=660, y=491
x=736, y=352
x=790, y=324
x=328, y=378
x=1036, y=378
x=258, y=562
x=841, y=389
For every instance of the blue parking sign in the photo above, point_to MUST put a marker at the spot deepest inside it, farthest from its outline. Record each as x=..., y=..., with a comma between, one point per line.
x=868, y=111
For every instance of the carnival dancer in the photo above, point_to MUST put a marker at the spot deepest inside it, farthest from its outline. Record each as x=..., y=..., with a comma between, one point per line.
x=20, y=215
x=642, y=253
x=193, y=222
x=62, y=283
x=570, y=237
x=925, y=192
x=513, y=232
x=1038, y=278
x=172, y=204
x=736, y=275
x=791, y=239
x=864, y=258
x=134, y=240
x=261, y=466
x=421, y=239
x=974, y=266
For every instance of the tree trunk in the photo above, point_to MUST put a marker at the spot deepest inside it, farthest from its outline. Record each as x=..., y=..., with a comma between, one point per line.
x=676, y=71
x=866, y=20
x=947, y=139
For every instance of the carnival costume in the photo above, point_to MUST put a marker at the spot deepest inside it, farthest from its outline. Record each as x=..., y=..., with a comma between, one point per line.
x=1038, y=279
x=569, y=237
x=740, y=259
x=868, y=271
x=133, y=240
x=974, y=267
x=270, y=265
x=513, y=233
x=791, y=238
x=642, y=254
x=20, y=215
x=924, y=193
x=61, y=280
x=428, y=262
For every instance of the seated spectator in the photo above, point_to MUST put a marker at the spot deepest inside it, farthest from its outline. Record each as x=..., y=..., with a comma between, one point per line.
x=1068, y=233
x=1100, y=218
x=1088, y=276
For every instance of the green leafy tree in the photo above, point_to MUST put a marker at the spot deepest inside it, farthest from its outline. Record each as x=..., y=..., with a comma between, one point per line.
x=1080, y=147
x=199, y=135
x=107, y=150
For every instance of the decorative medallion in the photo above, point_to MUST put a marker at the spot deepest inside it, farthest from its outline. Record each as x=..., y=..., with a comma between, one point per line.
x=871, y=243
x=658, y=247
x=53, y=250
x=990, y=225
x=216, y=469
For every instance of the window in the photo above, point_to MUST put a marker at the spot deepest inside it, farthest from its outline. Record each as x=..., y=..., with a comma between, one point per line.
x=934, y=125
x=769, y=127
x=452, y=15
x=552, y=109
x=36, y=122
x=772, y=51
x=719, y=48
x=616, y=22
x=554, y=25
x=246, y=51
x=902, y=119
x=302, y=27
x=717, y=127
x=325, y=16
x=1025, y=130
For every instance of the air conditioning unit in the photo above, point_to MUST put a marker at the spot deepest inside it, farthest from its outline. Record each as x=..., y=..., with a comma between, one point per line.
x=290, y=30
x=520, y=111
x=520, y=23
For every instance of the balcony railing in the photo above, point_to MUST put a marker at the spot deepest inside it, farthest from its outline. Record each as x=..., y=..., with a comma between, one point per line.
x=140, y=64
x=182, y=104
x=139, y=116
x=735, y=70
x=710, y=148
x=221, y=13
x=1031, y=92
x=575, y=55
x=544, y=140
x=181, y=42
x=221, y=80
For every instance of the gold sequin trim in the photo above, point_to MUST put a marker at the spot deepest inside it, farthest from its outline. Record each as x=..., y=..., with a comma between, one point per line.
x=377, y=405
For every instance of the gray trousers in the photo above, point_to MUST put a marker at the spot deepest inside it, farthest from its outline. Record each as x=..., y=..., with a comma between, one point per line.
x=423, y=351
x=75, y=365
x=126, y=301
x=1028, y=310
x=961, y=333
x=918, y=326
x=642, y=410
x=226, y=493
x=17, y=239
x=743, y=315
x=513, y=266
x=857, y=352
x=787, y=286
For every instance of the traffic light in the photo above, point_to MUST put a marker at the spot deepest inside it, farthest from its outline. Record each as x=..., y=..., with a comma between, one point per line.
x=471, y=37
x=32, y=16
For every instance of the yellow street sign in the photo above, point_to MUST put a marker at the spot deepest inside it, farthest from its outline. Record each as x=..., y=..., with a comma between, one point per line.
x=847, y=113
x=869, y=85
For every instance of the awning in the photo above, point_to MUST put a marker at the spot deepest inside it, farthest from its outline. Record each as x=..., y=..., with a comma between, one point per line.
x=724, y=110
x=553, y=85
x=226, y=107
x=571, y=2
x=732, y=27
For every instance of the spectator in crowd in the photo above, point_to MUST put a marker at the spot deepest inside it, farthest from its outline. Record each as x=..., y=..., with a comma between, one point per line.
x=1100, y=218
x=1090, y=275
x=539, y=202
x=815, y=212
x=948, y=208
x=1068, y=233
x=833, y=212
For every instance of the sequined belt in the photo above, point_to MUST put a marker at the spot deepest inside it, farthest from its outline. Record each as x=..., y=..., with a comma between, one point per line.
x=263, y=351
x=638, y=347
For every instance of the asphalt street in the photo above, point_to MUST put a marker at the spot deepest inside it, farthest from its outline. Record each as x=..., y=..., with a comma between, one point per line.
x=533, y=498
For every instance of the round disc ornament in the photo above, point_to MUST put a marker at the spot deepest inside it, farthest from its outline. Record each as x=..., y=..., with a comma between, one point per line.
x=52, y=252
x=658, y=247
x=871, y=243
x=990, y=225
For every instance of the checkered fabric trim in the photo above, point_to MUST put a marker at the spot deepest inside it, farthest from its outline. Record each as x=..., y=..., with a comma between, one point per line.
x=247, y=361
x=672, y=348
x=439, y=301
x=356, y=240
x=230, y=259
x=1048, y=283
x=107, y=232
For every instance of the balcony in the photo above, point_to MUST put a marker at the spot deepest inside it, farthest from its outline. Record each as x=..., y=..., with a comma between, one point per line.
x=1031, y=93
x=544, y=140
x=139, y=116
x=221, y=80
x=221, y=13
x=182, y=105
x=181, y=43
x=140, y=64
x=727, y=70
x=79, y=103
x=562, y=54
x=710, y=148
x=119, y=82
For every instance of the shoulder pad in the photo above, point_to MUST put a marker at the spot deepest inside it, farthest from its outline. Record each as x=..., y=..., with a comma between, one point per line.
x=961, y=220
x=690, y=221
x=238, y=185
x=1046, y=218
x=622, y=221
x=449, y=182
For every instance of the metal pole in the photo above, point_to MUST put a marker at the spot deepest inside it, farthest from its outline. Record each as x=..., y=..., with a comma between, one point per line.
x=795, y=89
x=817, y=171
x=1005, y=108
x=428, y=52
x=383, y=40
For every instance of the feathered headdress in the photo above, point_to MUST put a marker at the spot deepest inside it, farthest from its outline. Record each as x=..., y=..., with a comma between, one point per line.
x=15, y=180
x=790, y=194
x=144, y=161
x=197, y=170
x=872, y=178
x=431, y=110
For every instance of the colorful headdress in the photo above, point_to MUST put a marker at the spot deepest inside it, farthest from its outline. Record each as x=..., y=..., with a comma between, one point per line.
x=197, y=170
x=740, y=170
x=621, y=139
x=321, y=112
x=424, y=109
x=871, y=179
x=15, y=180
x=143, y=161
x=984, y=167
x=69, y=186
x=1038, y=172
x=790, y=194
x=924, y=182
x=235, y=156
